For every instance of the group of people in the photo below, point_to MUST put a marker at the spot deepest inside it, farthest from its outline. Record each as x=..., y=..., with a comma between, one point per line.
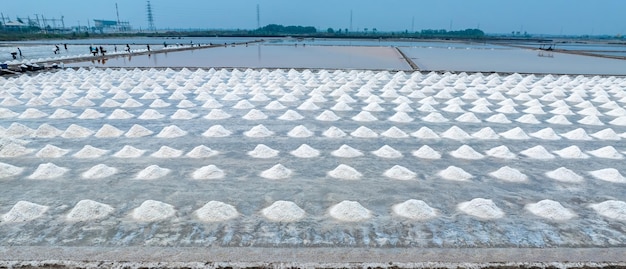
x=57, y=49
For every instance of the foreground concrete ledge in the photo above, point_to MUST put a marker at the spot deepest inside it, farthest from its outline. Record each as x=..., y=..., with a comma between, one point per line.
x=247, y=257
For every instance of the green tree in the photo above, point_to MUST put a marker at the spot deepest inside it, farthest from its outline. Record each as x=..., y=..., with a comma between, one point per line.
x=330, y=30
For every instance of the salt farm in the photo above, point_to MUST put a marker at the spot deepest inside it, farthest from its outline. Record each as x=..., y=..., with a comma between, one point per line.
x=288, y=153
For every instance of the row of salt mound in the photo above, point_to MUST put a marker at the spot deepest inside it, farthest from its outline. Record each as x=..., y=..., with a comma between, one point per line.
x=286, y=211
x=88, y=151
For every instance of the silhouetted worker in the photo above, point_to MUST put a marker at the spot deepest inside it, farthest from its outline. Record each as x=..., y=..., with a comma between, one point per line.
x=148, y=46
x=56, y=49
x=102, y=51
x=65, y=45
x=128, y=48
x=164, y=44
x=96, y=51
x=115, y=48
x=90, y=49
x=20, y=51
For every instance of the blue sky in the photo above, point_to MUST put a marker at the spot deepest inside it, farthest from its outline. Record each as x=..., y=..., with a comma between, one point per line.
x=574, y=17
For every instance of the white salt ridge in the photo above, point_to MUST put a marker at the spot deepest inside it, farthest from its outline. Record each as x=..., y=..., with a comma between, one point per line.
x=619, y=121
x=76, y=131
x=546, y=134
x=400, y=173
x=182, y=114
x=591, y=120
x=415, y=210
x=425, y=133
x=426, y=152
x=32, y=113
x=308, y=105
x=88, y=210
x=327, y=115
x=501, y=152
x=152, y=172
x=481, y=208
x=486, y=134
x=349, y=211
x=90, y=114
x=16, y=130
x=283, y=211
x=394, y=132
x=334, y=132
x=243, y=104
x=300, y=131
x=509, y=174
x=258, y=131
x=609, y=174
x=275, y=105
x=456, y=133
x=217, y=114
x=341, y=106
x=364, y=132
x=88, y=152
x=131, y=103
x=537, y=152
x=454, y=173
x=150, y=114
x=262, y=151
x=528, y=119
x=201, y=151
x=99, y=171
x=150, y=211
x=46, y=131
x=563, y=174
x=6, y=113
x=48, y=171
x=215, y=211
x=208, y=172
x=577, y=134
x=108, y=131
x=611, y=209
x=276, y=172
x=607, y=152
x=167, y=152
x=291, y=115
x=515, y=134
x=129, y=152
x=50, y=151
x=434, y=117
x=387, y=152
x=217, y=131
x=305, y=151
x=138, y=131
x=571, y=152
x=468, y=117
x=255, y=114
x=24, y=211
x=374, y=107
x=607, y=134
x=549, y=209
x=171, y=131
x=7, y=170
x=559, y=119
x=466, y=152
x=346, y=151
x=400, y=116
x=120, y=114
x=345, y=172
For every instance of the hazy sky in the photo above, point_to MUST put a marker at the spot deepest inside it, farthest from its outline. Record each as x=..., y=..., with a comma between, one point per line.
x=492, y=16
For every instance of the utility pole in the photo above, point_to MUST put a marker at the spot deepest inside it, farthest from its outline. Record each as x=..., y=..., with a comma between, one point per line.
x=151, y=26
x=117, y=13
x=350, y=20
x=413, y=25
x=258, y=16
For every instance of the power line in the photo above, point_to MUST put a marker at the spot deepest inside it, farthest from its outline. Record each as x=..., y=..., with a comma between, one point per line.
x=151, y=26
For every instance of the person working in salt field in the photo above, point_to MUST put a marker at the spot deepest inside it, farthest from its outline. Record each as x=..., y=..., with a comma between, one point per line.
x=128, y=48
x=148, y=46
x=20, y=52
x=102, y=51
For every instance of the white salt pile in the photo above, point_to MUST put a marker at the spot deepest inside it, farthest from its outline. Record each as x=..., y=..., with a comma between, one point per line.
x=425, y=133
x=275, y=105
x=87, y=210
x=217, y=114
x=466, y=152
x=62, y=114
x=456, y=133
x=345, y=172
x=215, y=211
x=394, y=132
x=609, y=174
x=138, y=131
x=258, y=131
x=501, y=152
x=50, y=151
x=152, y=172
x=46, y=131
x=334, y=132
x=591, y=120
x=415, y=210
x=434, y=117
x=499, y=118
x=400, y=116
x=167, y=152
x=7, y=170
x=364, y=116
x=387, y=152
x=327, y=116
x=607, y=152
x=217, y=131
x=308, y=105
x=426, y=152
x=182, y=114
x=454, y=173
x=559, y=119
x=349, y=211
x=346, y=151
x=571, y=152
x=76, y=131
x=509, y=174
x=300, y=131
x=481, y=208
x=550, y=209
x=400, y=173
x=486, y=134
x=515, y=134
x=276, y=172
x=208, y=172
x=468, y=117
x=577, y=134
x=283, y=211
x=48, y=171
x=24, y=211
x=607, y=134
x=619, y=121
x=537, y=152
x=90, y=114
x=89, y=152
x=129, y=152
x=243, y=104
x=201, y=151
x=563, y=174
x=341, y=106
x=305, y=151
x=99, y=171
x=254, y=114
x=130, y=102
x=108, y=131
x=151, y=210
x=611, y=209
x=16, y=130
x=32, y=113
x=171, y=131
x=120, y=114
x=364, y=132
x=7, y=113
x=262, y=151
x=546, y=134
x=151, y=114
x=528, y=119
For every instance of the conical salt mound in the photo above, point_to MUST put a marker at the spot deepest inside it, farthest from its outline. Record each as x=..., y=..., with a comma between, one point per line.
x=394, y=132
x=90, y=114
x=182, y=114
x=486, y=134
x=434, y=117
x=263, y=151
x=425, y=133
x=563, y=174
x=387, y=152
x=283, y=211
x=151, y=114
x=108, y=131
x=255, y=114
x=455, y=173
x=152, y=172
x=291, y=115
x=327, y=116
x=571, y=152
x=217, y=131
x=208, y=172
x=217, y=114
x=349, y=211
x=455, y=133
x=609, y=174
x=400, y=116
x=76, y=131
x=607, y=152
x=426, y=152
x=364, y=116
x=276, y=172
x=415, y=210
x=515, y=134
x=88, y=210
x=577, y=134
x=32, y=113
x=48, y=171
x=138, y=131
x=364, y=132
x=89, y=151
x=400, y=173
x=551, y=210
x=129, y=152
x=300, y=131
x=537, y=152
x=99, y=171
x=334, y=132
x=151, y=210
x=167, y=152
x=50, y=151
x=346, y=151
x=345, y=172
x=607, y=134
x=201, y=151
x=559, y=119
x=24, y=211
x=501, y=152
x=305, y=151
x=546, y=134
x=171, y=131
x=215, y=211
x=498, y=118
x=481, y=208
x=7, y=170
x=258, y=131
x=509, y=174
x=466, y=152
x=120, y=114
x=611, y=209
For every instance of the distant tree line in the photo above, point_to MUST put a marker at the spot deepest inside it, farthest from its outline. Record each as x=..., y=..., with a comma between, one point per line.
x=281, y=29
x=467, y=33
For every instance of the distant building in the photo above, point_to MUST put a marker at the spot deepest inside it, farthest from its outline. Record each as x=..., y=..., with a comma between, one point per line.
x=111, y=26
